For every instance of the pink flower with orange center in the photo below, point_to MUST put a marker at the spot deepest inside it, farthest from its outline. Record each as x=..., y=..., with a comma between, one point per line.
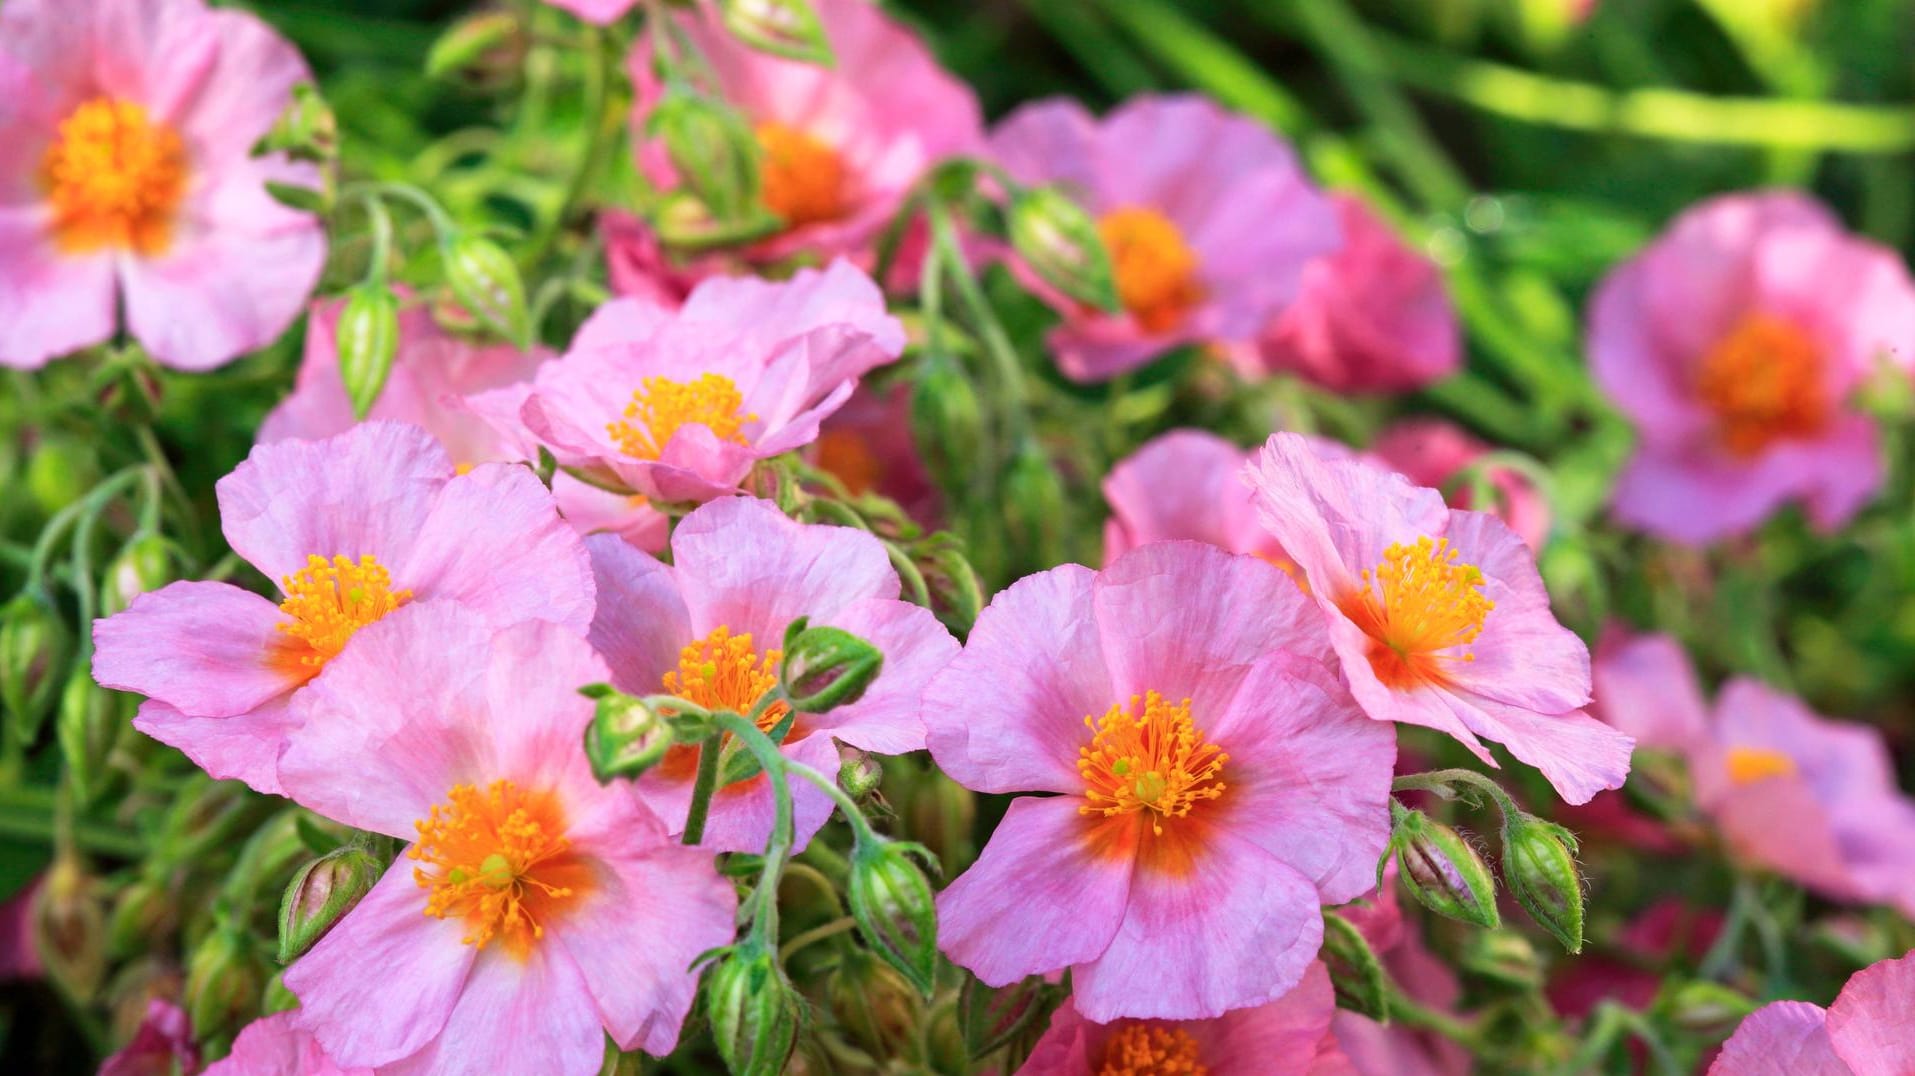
x=1207, y=784
x=1864, y=1033
x=129, y=182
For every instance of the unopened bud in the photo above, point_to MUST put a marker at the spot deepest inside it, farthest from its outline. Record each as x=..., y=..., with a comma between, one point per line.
x=860, y=775
x=367, y=340
x=1056, y=237
x=875, y=1006
x=1706, y=1008
x=87, y=725
x=306, y=130
x=321, y=894
x=711, y=148
x=1355, y=973
x=60, y=471
x=754, y=1010
x=825, y=668
x=471, y=45
x=897, y=916
x=224, y=978
x=1442, y=871
x=1505, y=958
x=947, y=419
x=956, y=595
x=626, y=737
x=142, y=914
x=69, y=929
x=145, y=565
x=788, y=28
x=991, y=1018
x=1540, y=866
x=34, y=647
x=1036, y=514
x=486, y=281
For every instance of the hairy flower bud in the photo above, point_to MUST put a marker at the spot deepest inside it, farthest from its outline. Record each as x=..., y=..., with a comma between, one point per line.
x=859, y=775
x=877, y=1009
x=956, y=595
x=1057, y=238
x=224, y=979
x=1539, y=864
x=34, y=646
x=367, y=340
x=321, y=894
x=626, y=737
x=69, y=929
x=892, y=902
x=1355, y=973
x=1505, y=958
x=1442, y=871
x=485, y=280
x=143, y=913
x=754, y=1010
x=307, y=130
x=788, y=28
x=825, y=668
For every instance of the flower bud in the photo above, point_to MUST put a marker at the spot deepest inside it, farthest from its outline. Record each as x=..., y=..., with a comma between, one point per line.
x=34, y=646
x=224, y=978
x=1540, y=866
x=1442, y=871
x=892, y=902
x=321, y=894
x=956, y=595
x=711, y=149
x=947, y=419
x=874, y=1005
x=87, y=725
x=1701, y=1007
x=1057, y=238
x=145, y=565
x=990, y=1018
x=60, y=471
x=754, y=1010
x=142, y=914
x=1505, y=958
x=788, y=28
x=825, y=668
x=1355, y=973
x=1036, y=513
x=486, y=281
x=468, y=45
x=860, y=775
x=306, y=130
x=626, y=737
x=69, y=930
x=367, y=340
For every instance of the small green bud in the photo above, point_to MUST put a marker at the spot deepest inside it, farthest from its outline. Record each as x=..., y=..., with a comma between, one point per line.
x=825, y=668
x=859, y=775
x=69, y=927
x=145, y=565
x=1539, y=864
x=1505, y=958
x=321, y=894
x=1442, y=871
x=470, y=40
x=60, y=471
x=1702, y=1007
x=897, y=916
x=486, y=281
x=1036, y=512
x=626, y=737
x=367, y=340
x=306, y=130
x=142, y=914
x=1056, y=237
x=87, y=725
x=711, y=148
x=788, y=28
x=225, y=978
x=948, y=421
x=34, y=647
x=754, y=1010
x=1356, y=974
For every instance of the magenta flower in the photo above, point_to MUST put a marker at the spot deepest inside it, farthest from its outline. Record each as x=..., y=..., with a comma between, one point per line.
x=708, y=627
x=679, y=405
x=535, y=911
x=841, y=146
x=1865, y=1033
x=162, y=1043
x=1210, y=784
x=129, y=181
x=1432, y=452
x=1438, y=616
x=352, y=528
x=1208, y=218
x=277, y=1046
x=1735, y=343
x=1371, y=316
x=1290, y=1035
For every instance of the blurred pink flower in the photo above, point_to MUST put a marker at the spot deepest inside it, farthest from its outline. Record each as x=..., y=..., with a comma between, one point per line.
x=536, y=911
x=1371, y=315
x=1185, y=484
x=1214, y=784
x=162, y=1046
x=19, y=955
x=841, y=145
x=1668, y=930
x=353, y=527
x=601, y=12
x=1431, y=452
x=1865, y=1033
x=708, y=627
x=1438, y=616
x=129, y=181
x=1207, y=215
x=868, y=445
x=679, y=405
x=1286, y=1037
x=277, y=1046
x=1735, y=343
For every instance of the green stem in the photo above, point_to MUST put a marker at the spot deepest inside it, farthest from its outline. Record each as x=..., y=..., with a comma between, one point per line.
x=702, y=789
x=1441, y=782
x=1413, y=1014
x=997, y=343
x=762, y=906
x=815, y=934
x=599, y=138
x=32, y=815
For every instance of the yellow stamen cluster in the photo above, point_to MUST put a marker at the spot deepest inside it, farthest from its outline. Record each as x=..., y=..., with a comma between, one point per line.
x=1150, y=759
x=1748, y=765
x=660, y=406
x=1764, y=381
x=803, y=180
x=496, y=859
x=723, y=672
x=1156, y=270
x=114, y=179
x=328, y=600
x=1141, y=1049
x=1418, y=606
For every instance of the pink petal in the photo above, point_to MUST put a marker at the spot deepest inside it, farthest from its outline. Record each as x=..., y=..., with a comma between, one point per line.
x=1871, y=1025
x=744, y=565
x=205, y=648
x=1580, y=755
x=528, y=1016
x=533, y=671
x=1523, y=657
x=277, y=1046
x=1646, y=687
x=742, y=814
x=641, y=623
x=244, y=747
x=1786, y=1038
x=1182, y=484
x=1285, y=1035
x=51, y=303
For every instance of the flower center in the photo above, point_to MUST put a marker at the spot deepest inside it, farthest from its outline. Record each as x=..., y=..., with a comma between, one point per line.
x=723, y=672
x=1139, y=1049
x=1156, y=270
x=1417, y=607
x=497, y=859
x=1152, y=760
x=1764, y=382
x=114, y=179
x=1748, y=765
x=329, y=600
x=803, y=179
x=660, y=406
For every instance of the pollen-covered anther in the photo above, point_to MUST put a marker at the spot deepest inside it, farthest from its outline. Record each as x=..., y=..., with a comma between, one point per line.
x=327, y=601
x=660, y=406
x=803, y=179
x=1147, y=755
x=497, y=859
x=1764, y=382
x=723, y=672
x=114, y=179
x=1420, y=607
x=1149, y=1049
x=1749, y=765
x=1155, y=269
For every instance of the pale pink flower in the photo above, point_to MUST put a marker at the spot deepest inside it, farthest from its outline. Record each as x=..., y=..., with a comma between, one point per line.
x=1371, y=316
x=277, y=1046
x=1869, y=1031
x=679, y=405
x=351, y=528
x=1208, y=217
x=1736, y=343
x=708, y=627
x=535, y=911
x=163, y=1043
x=1432, y=452
x=1212, y=784
x=1438, y=616
x=1185, y=484
x=129, y=181
x=1286, y=1037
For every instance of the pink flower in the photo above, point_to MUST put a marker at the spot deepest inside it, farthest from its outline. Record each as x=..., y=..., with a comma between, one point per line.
x=1208, y=218
x=352, y=527
x=1438, y=616
x=536, y=911
x=1286, y=1037
x=277, y=1046
x=680, y=405
x=602, y=12
x=708, y=626
x=1184, y=484
x=1432, y=452
x=129, y=181
x=1371, y=316
x=1735, y=343
x=841, y=146
x=163, y=1044
x=19, y=953
x=1213, y=784
x=1865, y=1033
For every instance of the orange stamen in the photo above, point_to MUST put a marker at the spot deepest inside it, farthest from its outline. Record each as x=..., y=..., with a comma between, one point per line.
x=660, y=406
x=1143, y=1049
x=1764, y=382
x=803, y=179
x=1748, y=765
x=1419, y=608
x=497, y=859
x=1155, y=760
x=328, y=601
x=1156, y=270
x=114, y=179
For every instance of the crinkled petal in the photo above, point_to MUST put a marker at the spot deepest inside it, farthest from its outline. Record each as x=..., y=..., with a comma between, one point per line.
x=209, y=649
x=532, y=1015
x=243, y=747
x=493, y=541
x=1872, y=1023
x=744, y=565
x=1785, y=1038
x=641, y=623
